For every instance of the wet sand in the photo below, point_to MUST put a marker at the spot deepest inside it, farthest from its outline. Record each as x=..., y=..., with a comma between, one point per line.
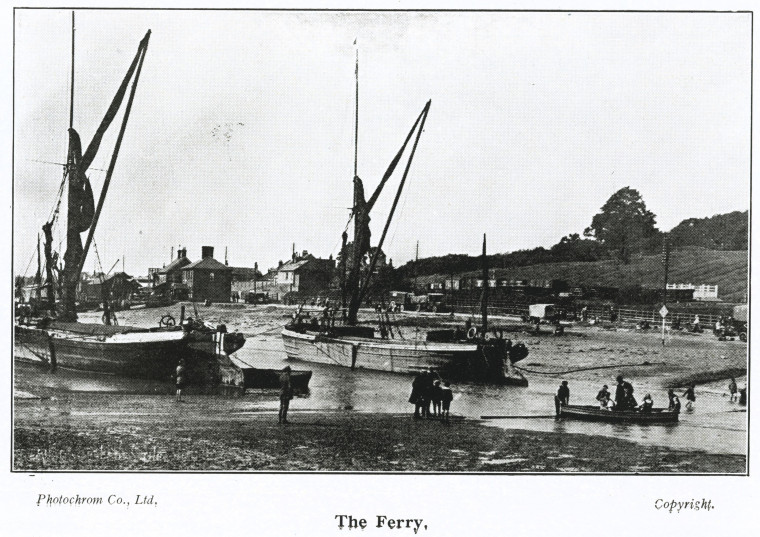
x=79, y=430
x=198, y=435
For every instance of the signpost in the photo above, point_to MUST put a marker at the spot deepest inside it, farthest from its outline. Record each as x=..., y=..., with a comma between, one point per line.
x=663, y=314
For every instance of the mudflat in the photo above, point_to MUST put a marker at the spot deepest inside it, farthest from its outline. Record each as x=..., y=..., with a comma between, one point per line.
x=60, y=428
x=106, y=432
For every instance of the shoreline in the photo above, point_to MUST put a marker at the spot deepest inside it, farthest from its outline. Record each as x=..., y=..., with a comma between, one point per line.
x=177, y=438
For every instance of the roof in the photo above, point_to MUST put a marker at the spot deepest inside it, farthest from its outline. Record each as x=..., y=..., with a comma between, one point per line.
x=174, y=265
x=293, y=265
x=207, y=263
x=117, y=275
x=245, y=272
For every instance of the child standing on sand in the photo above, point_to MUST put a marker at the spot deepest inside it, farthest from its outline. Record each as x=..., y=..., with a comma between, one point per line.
x=446, y=397
x=180, y=374
x=732, y=389
x=690, y=397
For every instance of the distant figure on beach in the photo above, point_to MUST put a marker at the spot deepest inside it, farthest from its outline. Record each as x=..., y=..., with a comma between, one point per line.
x=437, y=397
x=733, y=389
x=690, y=396
x=624, y=395
x=647, y=404
x=180, y=375
x=695, y=325
x=584, y=314
x=286, y=394
x=416, y=396
x=447, y=396
x=743, y=396
x=674, y=404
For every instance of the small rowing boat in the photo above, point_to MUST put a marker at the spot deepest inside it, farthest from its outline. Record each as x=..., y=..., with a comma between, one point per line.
x=594, y=413
x=270, y=378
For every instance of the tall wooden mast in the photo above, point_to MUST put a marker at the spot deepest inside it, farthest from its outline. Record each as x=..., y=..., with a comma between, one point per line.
x=484, y=301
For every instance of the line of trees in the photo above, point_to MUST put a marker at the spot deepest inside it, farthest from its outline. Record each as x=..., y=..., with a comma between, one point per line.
x=623, y=227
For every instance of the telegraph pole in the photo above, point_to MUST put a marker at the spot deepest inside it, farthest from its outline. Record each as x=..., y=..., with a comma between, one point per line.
x=665, y=263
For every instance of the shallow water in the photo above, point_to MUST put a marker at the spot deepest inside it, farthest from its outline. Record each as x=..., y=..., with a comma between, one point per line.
x=714, y=426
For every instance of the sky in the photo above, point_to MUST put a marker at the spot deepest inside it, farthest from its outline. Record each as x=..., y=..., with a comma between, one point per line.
x=241, y=136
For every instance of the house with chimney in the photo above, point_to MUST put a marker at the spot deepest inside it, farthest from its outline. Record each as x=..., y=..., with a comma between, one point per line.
x=171, y=273
x=207, y=278
x=304, y=274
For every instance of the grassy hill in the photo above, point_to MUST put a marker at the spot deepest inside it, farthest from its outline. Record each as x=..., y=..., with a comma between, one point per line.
x=726, y=269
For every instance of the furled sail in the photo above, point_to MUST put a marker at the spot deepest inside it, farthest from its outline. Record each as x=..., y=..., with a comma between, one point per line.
x=361, y=212
x=81, y=206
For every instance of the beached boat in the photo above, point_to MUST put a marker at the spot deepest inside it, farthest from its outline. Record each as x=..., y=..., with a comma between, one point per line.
x=270, y=379
x=595, y=413
x=51, y=333
x=474, y=353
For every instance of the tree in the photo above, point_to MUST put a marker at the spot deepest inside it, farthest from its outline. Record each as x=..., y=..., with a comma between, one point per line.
x=624, y=224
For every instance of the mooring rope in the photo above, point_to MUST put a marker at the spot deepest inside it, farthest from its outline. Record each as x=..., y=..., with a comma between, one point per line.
x=584, y=368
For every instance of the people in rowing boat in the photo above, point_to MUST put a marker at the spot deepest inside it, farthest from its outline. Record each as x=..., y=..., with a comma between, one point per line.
x=624, y=399
x=647, y=405
x=674, y=404
x=603, y=396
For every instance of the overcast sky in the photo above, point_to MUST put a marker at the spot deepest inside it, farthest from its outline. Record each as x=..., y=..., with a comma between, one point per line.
x=242, y=131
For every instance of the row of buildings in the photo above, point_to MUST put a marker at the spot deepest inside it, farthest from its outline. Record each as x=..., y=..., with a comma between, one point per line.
x=209, y=279
x=305, y=275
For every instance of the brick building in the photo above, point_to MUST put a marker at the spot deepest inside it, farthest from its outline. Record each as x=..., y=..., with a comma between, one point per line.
x=208, y=279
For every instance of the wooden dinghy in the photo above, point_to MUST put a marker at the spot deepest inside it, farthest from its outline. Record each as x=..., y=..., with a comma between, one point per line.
x=594, y=413
x=254, y=377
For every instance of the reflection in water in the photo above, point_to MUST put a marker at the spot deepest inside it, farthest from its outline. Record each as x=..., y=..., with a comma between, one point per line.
x=713, y=427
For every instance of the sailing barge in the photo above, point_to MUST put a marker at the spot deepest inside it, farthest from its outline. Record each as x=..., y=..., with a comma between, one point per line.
x=475, y=354
x=52, y=333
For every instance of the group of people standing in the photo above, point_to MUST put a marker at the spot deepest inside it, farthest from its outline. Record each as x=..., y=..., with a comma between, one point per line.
x=431, y=396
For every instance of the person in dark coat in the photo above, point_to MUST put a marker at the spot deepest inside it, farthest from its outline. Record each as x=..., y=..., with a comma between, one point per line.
x=416, y=397
x=437, y=397
x=427, y=393
x=563, y=396
x=647, y=404
x=603, y=394
x=674, y=404
x=623, y=394
x=286, y=394
x=181, y=379
x=690, y=396
x=563, y=393
x=733, y=389
x=447, y=396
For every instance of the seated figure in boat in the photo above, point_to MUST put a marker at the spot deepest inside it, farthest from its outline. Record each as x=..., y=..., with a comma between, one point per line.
x=603, y=396
x=647, y=404
x=674, y=403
